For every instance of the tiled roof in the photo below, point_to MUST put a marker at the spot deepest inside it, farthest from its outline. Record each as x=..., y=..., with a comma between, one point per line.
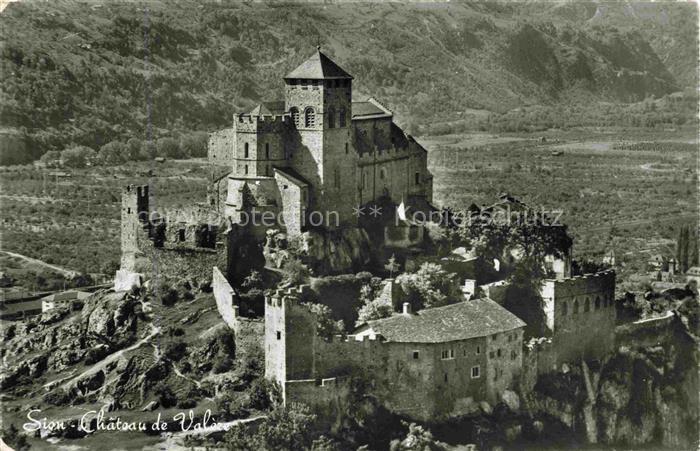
x=365, y=109
x=460, y=321
x=318, y=67
x=276, y=107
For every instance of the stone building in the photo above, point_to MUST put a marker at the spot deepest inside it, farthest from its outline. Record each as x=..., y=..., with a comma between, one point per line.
x=580, y=314
x=434, y=364
x=179, y=243
x=318, y=151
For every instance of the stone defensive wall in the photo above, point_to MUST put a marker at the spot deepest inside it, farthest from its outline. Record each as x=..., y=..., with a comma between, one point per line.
x=224, y=293
x=248, y=123
x=383, y=155
x=580, y=285
x=646, y=332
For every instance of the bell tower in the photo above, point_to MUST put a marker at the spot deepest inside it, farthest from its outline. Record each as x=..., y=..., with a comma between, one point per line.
x=318, y=95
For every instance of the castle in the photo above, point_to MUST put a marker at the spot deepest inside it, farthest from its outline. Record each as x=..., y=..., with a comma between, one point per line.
x=317, y=152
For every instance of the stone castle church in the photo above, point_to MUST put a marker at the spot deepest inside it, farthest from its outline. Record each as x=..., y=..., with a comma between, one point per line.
x=317, y=151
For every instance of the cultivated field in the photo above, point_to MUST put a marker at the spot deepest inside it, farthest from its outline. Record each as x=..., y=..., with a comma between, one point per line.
x=623, y=190
x=71, y=217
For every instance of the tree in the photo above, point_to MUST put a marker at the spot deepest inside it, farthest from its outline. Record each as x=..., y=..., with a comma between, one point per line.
x=78, y=157
x=430, y=286
x=286, y=428
x=13, y=438
x=417, y=439
x=52, y=158
x=372, y=309
x=195, y=144
x=134, y=148
x=295, y=272
x=326, y=328
x=113, y=153
x=168, y=147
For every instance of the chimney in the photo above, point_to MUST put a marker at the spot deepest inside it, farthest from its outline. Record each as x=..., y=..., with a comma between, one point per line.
x=406, y=308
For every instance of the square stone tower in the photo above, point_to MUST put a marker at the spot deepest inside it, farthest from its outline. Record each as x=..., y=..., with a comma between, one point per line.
x=318, y=95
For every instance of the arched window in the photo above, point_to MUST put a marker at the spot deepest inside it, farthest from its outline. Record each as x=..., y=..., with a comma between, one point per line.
x=246, y=169
x=597, y=302
x=576, y=307
x=564, y=309
x=331, y=118
x=382, y=174
x=245, y=151
x=309, y=117
x=341, y=116
x=587, y=305
x=295, y=116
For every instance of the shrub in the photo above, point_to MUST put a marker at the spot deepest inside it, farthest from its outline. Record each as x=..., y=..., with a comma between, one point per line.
x=113, y=153
x=288, y=427
x=295, y=272
x=169, y=147
x=165, y=396
x=175, y=350
x=78, y=157
x=195, y=144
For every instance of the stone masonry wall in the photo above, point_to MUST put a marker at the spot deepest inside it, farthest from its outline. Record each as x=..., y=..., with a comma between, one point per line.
x=581, y=313
x=221, y=147
x=223, y=293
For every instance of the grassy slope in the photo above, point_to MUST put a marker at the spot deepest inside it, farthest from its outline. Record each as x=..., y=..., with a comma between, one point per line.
x=89, y=74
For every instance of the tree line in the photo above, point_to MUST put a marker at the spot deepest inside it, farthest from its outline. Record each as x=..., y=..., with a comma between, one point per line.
x=192, y=145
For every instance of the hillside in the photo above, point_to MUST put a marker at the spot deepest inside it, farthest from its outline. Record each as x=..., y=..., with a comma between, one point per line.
x=91, y=73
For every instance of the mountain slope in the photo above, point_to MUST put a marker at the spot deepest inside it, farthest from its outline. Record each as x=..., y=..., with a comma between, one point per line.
x=91, y=74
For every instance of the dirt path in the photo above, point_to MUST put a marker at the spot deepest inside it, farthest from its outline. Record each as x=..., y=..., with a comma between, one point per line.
x=66, y=272
x=112, y=357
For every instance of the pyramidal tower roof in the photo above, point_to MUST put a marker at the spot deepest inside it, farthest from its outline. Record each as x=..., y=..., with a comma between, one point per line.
x=318, y=67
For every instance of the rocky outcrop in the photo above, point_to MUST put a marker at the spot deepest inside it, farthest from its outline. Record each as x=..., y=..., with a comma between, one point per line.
x=325, y=252
x=637, y=397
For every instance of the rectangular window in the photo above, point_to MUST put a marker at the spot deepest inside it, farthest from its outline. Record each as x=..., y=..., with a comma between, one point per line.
x=279, y=335
x=415, y=354
x=246, y=169
x=417, y=178
x=513, y=355
x=448, y=354
x=445, y=377
x=478, y=350
x=315, y=84
x=181, y=234
x=498, y=353
x=492, y=354
x=304, y=84
x=476, y=372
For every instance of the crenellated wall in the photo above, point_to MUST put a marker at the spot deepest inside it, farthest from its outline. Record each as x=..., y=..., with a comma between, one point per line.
x=581, y=314
x=414, y=379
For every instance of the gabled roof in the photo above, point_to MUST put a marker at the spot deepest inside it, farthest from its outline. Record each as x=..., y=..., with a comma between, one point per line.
x=291, y=175
x=318, y=67
x=268, y=108
x=369, y=109
x=460, y=321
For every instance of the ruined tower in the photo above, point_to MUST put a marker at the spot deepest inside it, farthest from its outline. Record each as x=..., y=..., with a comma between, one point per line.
x=134, y=213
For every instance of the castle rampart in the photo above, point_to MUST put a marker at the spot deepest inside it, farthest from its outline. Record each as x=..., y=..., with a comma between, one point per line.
x=581, y=314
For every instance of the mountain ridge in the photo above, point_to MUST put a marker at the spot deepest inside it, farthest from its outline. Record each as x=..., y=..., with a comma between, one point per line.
x=91, y=74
